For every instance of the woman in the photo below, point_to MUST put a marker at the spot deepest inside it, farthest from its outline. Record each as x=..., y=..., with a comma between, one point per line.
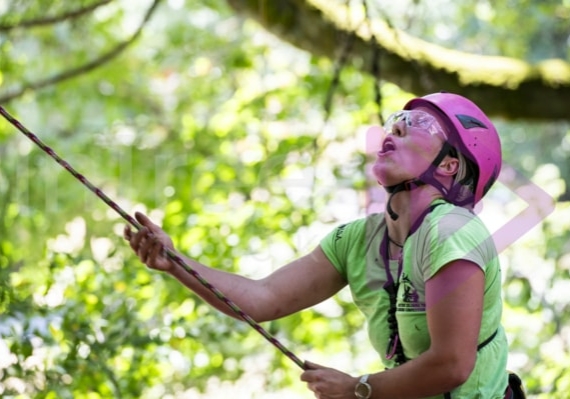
x=425, y=274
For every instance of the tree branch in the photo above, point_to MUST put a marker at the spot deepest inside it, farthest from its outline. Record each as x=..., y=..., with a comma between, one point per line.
x=502, y=86
x=30, y=23
x=81, y=69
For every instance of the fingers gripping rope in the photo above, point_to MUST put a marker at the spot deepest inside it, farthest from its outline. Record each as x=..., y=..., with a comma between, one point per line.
x=171, y=254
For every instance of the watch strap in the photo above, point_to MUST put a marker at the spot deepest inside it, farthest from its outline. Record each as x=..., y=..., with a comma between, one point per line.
x=363, y=390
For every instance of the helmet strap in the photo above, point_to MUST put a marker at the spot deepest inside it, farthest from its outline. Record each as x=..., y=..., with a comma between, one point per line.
x=425, y=178
x=408, y=185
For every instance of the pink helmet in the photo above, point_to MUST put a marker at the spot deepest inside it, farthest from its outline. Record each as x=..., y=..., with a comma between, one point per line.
x=471, y=132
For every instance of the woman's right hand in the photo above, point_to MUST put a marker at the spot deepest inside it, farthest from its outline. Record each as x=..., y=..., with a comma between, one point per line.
x=149, y=243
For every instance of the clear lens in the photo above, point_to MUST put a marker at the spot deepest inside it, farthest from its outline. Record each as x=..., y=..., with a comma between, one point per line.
x=414, y=119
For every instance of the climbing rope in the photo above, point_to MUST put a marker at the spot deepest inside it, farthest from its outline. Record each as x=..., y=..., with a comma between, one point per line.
x=171, y=254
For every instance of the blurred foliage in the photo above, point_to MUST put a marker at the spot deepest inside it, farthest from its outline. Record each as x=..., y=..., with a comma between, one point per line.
x=218, y=131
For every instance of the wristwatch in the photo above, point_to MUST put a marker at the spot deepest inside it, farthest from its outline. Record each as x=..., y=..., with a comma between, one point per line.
x=363, y=390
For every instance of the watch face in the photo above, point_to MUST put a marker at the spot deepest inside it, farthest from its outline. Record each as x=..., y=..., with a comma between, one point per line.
x=363, y=390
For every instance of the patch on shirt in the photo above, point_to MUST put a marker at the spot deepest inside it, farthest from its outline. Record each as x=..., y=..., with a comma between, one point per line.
x=409, y=297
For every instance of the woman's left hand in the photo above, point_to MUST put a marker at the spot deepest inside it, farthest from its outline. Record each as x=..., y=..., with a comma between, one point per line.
x=328, y=383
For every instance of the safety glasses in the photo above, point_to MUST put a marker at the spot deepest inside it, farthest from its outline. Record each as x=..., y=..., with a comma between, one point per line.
x=414, y=119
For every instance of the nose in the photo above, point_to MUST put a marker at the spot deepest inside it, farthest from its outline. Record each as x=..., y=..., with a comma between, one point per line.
x=398, y=128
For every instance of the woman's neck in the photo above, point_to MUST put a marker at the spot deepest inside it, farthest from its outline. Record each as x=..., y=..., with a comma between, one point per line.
x=409, y=205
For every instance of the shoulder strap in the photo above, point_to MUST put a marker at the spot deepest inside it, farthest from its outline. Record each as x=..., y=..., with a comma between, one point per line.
x=419, y=220
x=488, y=340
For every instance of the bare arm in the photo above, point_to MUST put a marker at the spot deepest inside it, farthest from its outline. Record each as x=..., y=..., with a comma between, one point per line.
x=297, y=285
x=454, y=311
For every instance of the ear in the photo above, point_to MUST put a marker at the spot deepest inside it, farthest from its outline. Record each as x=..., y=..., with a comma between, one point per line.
x=448, y=166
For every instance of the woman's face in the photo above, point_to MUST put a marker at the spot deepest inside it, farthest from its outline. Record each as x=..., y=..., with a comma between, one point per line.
x=412, y=139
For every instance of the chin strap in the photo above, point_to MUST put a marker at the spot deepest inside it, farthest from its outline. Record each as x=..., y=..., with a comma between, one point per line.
x=393, y=190
x=425, y=178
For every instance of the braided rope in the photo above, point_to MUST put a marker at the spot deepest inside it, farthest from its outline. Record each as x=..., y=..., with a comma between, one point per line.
x=171, y=254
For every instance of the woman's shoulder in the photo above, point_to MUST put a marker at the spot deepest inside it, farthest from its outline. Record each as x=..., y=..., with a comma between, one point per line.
x=369, y=224
x=360, y=223
x=451, y=218
x=451, y=211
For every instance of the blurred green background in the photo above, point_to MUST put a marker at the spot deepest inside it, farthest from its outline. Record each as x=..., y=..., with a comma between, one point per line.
x=223, y=133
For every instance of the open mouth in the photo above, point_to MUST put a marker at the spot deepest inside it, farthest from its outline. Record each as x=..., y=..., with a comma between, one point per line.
x=387, y=146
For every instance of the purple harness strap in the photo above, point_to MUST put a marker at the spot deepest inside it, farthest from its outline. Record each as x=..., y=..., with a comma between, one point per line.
x=171, y=254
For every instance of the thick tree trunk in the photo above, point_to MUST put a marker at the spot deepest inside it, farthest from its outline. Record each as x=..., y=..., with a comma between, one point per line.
x=504, y=87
